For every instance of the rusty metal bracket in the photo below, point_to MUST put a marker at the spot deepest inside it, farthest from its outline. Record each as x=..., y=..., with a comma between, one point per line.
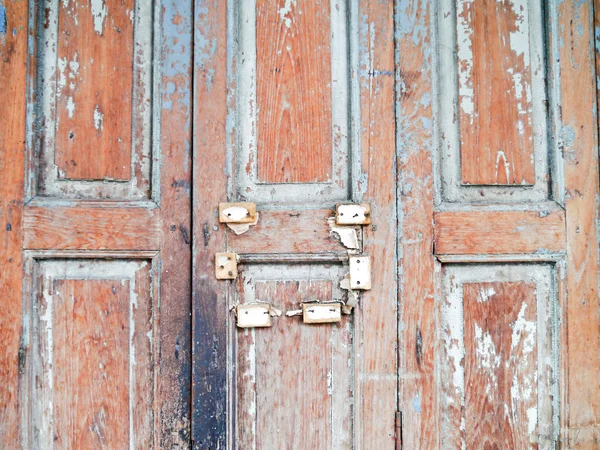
x=241, y=212
x=253, y=315
x=360, y=272
x=226, y=266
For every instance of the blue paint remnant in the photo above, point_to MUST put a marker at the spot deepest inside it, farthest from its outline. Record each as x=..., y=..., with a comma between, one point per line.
x=417, y=404
x=3, y=22
x=568, y=135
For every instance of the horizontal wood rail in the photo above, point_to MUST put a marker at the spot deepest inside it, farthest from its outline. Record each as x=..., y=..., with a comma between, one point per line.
x=91, y=226
x=499, y=232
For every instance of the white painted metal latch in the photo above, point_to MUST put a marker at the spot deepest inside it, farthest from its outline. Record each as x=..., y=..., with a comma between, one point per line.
x=253, y=315
x=360, y=272
x=321, y=312
x=242, y=212
x=226, y=266
x=353, y=214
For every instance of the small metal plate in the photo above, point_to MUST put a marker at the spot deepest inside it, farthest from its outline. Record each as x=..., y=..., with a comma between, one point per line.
x=360, y=272
x=226, y=266
x=321, y=312
x=242, y=212
x=253, y=315
x=353, y=214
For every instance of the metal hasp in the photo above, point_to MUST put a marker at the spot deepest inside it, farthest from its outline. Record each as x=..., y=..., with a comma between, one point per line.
x=360, y=272
x=241, y=212
x=352, y=214
x=226, y=266
x=253, y=315
x=321, y=312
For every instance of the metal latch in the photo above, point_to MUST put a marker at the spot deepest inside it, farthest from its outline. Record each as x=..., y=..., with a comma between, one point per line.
x=226, y=266
x=321, y=312
x=360, y=272
x=253, y=315
x=352, y=214
x=241, y=212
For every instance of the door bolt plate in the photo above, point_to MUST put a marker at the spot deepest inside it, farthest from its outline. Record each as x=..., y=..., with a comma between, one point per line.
x=321, y=312
x=360, y=272
x=241, y=212
x=226, y=266
x=353, y=214
x=253, y=315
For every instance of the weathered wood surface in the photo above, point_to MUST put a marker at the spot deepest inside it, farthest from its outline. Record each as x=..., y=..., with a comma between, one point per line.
x=418, y=387
x=579, y=132
x=92, y=332
x=173, y=416
x=94, y=89
x=499, y=232
x=297, y=367
x=209, y=338
x=293, y=59
x=13, y=70
x=494, y=83
x=376, y=319
x=288, y=232
x=91, y=226
x=500, y=364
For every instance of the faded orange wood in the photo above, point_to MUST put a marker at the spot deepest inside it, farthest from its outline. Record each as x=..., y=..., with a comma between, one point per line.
x=173, y=416
x=93, y=227
x=90, y=348
x=494, y=82
x=293, y=67
x=499, y=232
x=288, y=232
x=13, y=57
x=577, y=92
x=376, y=318
x=419, y=388
x=500, y=363
x=210, y=310
x=94, y=89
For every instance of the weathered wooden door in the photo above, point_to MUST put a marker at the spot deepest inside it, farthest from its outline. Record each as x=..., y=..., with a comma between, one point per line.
x=468, y=127
x=95, y=169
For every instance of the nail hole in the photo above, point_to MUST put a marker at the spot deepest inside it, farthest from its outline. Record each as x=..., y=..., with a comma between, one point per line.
x=222, y=267
x=358, y=282
x=230, y=273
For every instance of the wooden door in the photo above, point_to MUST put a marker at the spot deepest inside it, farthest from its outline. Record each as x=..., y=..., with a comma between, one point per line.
x=95, y=169
x=468, y=127
x=294, y=111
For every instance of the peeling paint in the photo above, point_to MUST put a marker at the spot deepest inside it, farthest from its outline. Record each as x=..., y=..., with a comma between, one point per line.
x=287, y=9
x=98, y=119
x=99, y=13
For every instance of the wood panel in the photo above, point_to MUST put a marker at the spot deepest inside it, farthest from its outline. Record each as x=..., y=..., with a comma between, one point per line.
x=13, y=71
x=579, y=124
x=293, y=59
x=418, y=386
x=92, y=333
x=499, y=357
x=94, y=89
x=495, y=99
x=288, y=232
x=376, y=319
x=294, y=367
x=500, y=364
x=499, y=232
x=91, y=226
x=174, y=414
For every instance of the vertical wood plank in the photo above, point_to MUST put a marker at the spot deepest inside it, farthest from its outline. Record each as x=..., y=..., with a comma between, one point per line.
x=13, y=56
x=376, y=319
x=494, y=83
x=209, y=389
x=500, y=336
x=293, y=59
x=579, y=138
x=174, y=416
x=94, y=89
x=90, y=349
x=418, y=393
